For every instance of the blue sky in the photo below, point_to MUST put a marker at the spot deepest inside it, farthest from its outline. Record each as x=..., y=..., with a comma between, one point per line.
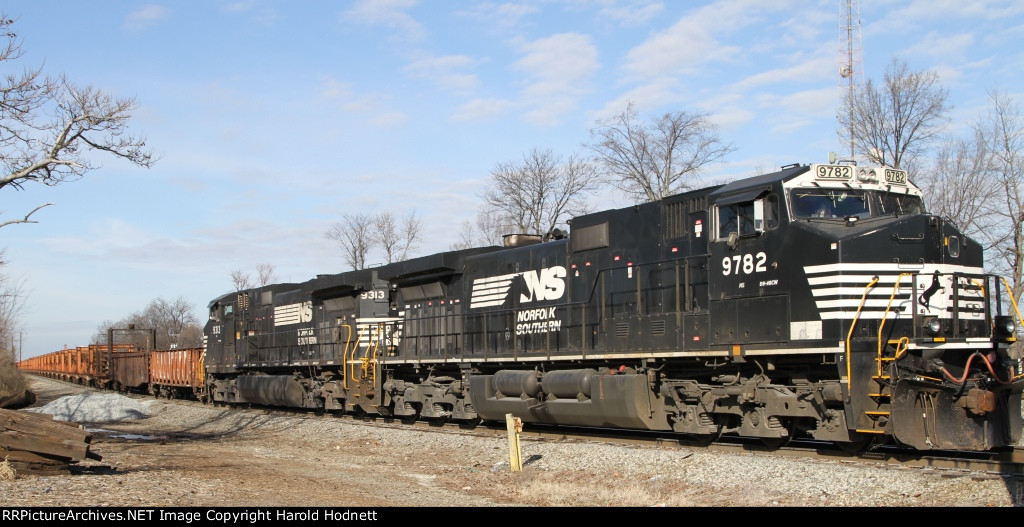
x=272, y=118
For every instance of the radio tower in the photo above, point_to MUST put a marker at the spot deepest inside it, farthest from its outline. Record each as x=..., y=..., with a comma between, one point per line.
x=850, y=66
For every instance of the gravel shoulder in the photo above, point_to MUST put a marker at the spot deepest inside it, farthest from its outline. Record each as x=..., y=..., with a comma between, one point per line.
x=167, y=454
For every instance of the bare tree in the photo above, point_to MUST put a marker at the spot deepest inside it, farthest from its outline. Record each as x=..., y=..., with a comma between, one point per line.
x=174, y=322
x=487, y=230
x=12, y=298
x=396, y=241
x=895, y=122
x=540, y=192
x=265, y=274
x=174, y=317
x=352, y=233
x=1002, y=131
x=651, y=160
x=47, y=125
x=241, y=280
x=960, y=183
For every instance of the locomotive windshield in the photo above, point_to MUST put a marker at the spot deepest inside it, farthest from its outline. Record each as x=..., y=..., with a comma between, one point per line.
x=900, y=204
x=826, y=203
x=834, y=203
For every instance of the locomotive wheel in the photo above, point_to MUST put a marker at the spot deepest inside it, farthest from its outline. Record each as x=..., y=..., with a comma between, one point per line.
x=857, y=443
x=410, y=419
x=775, y=443
x=707, y=439
x=470, y=424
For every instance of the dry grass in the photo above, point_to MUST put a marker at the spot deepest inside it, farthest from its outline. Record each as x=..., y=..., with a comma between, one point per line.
x=7, y=472
x=12, y=381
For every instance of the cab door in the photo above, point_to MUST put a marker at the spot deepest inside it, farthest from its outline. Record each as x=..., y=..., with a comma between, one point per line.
x=748, y=304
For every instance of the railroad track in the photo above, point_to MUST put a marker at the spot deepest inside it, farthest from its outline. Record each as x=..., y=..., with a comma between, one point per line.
x=1002, y=464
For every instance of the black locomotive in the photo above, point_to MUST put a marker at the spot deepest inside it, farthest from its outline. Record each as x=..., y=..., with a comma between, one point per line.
x=820, y=301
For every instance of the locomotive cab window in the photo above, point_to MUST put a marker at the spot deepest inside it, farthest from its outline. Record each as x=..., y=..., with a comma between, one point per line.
x=748, y=217
x=899, y=204
x=829, y=203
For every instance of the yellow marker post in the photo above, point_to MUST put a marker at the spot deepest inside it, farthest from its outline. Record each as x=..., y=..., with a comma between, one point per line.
x=514, y=426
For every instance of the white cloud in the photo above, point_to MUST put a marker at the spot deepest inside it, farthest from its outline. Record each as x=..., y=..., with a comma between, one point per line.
x=371, y=107
x=645, y=98
x=477, y=109
x=920, y=13
x=505, y=15
x=817, y=101
x=691, y=41
x=633, y=13
x=446, y=72
x=941, y=45
x=387, y=13
x=145, y=16
x=558, y=72
x=813, y=70
x=260, y=13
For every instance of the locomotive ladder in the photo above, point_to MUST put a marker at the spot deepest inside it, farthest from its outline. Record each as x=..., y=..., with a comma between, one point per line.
x=880, y=388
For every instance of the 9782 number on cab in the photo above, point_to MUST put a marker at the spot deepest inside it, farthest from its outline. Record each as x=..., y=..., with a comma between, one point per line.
x=744, y=263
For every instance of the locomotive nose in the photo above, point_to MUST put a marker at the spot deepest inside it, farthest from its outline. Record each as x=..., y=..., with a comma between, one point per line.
x=925, y=240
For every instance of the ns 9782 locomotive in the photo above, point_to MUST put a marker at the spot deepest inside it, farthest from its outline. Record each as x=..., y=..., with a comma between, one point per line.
x=819, y=301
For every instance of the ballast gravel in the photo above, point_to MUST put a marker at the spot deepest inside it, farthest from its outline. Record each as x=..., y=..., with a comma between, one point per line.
x=168, y=453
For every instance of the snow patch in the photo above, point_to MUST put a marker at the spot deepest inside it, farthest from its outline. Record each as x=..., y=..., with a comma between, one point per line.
x=96, y=408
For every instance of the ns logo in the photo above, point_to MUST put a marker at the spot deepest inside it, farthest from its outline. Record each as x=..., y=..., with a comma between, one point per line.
x=546, y=284
x=532, y=286
x=306, y=311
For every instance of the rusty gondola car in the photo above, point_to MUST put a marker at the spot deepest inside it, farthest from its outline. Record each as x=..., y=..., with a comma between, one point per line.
x=86, y=365
x=177, y=373
x=166, y=373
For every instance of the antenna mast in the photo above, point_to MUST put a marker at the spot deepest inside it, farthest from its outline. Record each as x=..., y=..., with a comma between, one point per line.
x=850, y=65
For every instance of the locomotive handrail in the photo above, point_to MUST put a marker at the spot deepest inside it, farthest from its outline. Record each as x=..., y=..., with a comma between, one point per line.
x=885, y=316
x=344, y=352
x=853, y=324
x=901, y=347
x=344, y=357
x=371, y=353
x=1013, y=302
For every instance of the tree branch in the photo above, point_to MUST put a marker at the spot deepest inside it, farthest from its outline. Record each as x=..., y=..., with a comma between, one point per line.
x=26, y=218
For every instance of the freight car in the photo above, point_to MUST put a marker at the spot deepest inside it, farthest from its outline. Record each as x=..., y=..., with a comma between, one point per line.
x=172, y=373
x=87, y=365
x=820, y=301
x=122, y=367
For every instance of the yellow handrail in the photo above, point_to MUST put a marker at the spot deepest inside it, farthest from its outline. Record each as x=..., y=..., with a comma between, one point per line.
x=344, y=351
x=369, y=359
x=344, y=358
x=1013, y=301
x=881, y=325
x=901, y=348
x=853, y=324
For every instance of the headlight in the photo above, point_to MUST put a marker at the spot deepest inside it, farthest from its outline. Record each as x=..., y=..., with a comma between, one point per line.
x=1004, y=327
x=932, y=326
